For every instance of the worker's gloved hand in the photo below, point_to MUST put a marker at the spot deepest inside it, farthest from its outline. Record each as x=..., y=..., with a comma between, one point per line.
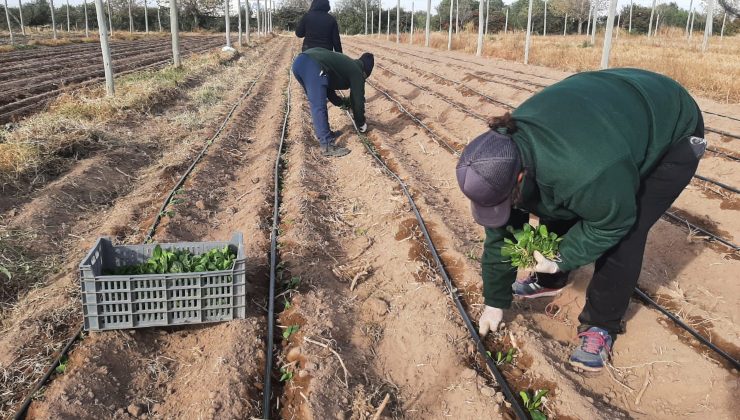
x=544, y=265
x=489, y=320
x=346, y=104
x=363, y=128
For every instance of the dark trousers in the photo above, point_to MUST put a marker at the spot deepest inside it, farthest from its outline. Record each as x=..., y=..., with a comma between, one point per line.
x=616, y=272
x=315, y=83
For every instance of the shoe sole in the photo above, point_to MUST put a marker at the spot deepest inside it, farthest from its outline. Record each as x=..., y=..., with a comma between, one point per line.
x=547, y=293
x=584, y=367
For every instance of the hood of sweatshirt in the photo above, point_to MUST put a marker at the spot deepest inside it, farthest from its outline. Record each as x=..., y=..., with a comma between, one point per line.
x=320, y=6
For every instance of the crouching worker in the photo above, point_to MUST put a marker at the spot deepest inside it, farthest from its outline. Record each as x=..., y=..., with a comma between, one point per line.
x=599, y=157
x=321, y=72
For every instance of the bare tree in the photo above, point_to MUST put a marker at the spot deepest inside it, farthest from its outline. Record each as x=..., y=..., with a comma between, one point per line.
x=68, y=27
x=449, y=35
x=146, y=17
x=652, y=14
x=103, y=32
x=608, y=37
x=53, y=19
x=239, y=20
x=10, y=28
x=428, y=23
x=20, y=12
x=110, y=24
x=479, y=50
x=398, y=21
x=227, y=22
x=175, y=31
x=529, y=34
x=708, y=25
x=130, y=17
x=688, y=18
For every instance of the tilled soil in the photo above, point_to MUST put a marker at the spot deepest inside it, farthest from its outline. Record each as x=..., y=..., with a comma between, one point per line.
x=363, y=315
x=30, y=78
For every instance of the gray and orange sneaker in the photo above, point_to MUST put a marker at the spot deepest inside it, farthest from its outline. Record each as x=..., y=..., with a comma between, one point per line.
x=531, y=288
x=594, y=351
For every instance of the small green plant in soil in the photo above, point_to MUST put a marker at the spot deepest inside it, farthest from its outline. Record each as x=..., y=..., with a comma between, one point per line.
x=526, y=241
x=286, y=303
x=533, y=404
x=287, y=374
x=62, y=366
x=293, y=283
x=507, y=357
x=6, y=272
x=290, y=330
x=165, y=261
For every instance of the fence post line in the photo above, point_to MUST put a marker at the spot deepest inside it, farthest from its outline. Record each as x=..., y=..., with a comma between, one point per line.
x=105, y=48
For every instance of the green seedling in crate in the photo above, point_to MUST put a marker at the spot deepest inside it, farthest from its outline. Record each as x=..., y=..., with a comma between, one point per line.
x=165, y=261
x=290, y=330
x=526, y=242
x=534, y=403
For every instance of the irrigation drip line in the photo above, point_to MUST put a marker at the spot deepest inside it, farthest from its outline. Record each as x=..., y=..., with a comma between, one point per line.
x=210, y=141
x=267, y=388
x=720, y=184
x=510, y=396
x=21, y=413
x=711, y=235
x=721, y=153
x=645, y=298
x=417, y=121
x=721, y=115
x=722, y=132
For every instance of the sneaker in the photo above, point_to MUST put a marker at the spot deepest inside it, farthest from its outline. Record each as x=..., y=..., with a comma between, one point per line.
x=530, y=289
x=594, y=350
x=334, y=151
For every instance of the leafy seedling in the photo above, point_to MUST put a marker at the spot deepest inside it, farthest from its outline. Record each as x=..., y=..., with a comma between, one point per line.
x=62, y=366
x=293, y=283
x=292, y=329
x=287, y=374
x=6, y=272
x=286, y=303
x=507, y=357
x=165, y=261
x=528, y=240
x=534, y=403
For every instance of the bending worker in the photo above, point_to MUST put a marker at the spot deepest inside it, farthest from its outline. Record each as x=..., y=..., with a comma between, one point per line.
x=318, y=28
x=321, y=73
x=599, y=157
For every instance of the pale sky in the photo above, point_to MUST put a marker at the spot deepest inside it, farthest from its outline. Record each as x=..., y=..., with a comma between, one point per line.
x=420, y=4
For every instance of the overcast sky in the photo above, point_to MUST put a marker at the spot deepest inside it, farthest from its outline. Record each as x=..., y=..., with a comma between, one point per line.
x=406, y=4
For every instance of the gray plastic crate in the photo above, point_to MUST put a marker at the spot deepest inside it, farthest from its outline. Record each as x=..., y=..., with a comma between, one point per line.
x=135, y=301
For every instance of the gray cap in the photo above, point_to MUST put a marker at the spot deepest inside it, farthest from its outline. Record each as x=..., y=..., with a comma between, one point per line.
x=487, y=173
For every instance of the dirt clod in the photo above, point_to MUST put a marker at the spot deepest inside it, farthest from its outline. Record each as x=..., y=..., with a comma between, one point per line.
x=135, y=409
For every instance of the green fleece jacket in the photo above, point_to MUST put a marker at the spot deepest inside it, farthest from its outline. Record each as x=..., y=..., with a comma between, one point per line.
x=344, y=73
x=586, y=144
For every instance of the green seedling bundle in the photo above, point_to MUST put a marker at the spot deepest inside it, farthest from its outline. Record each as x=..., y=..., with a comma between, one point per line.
x=526, y=242
x=165, y=261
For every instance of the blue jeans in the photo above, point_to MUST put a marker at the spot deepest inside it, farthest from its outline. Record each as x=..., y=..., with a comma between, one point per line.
x=315, y=83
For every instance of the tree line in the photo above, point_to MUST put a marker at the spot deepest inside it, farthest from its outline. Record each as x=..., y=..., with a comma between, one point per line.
x=563, y=16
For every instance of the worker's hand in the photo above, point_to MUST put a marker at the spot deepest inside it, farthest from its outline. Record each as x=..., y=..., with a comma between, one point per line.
x=346, y=104
x=489, y=320
x=544, y=265
x=363, y=128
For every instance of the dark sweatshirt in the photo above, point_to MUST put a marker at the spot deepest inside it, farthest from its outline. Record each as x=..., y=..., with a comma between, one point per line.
x=318, y=28
x=344, y=73
x=587, y=142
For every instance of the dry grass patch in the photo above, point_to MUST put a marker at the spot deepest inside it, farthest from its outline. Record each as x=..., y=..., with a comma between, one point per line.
x=714, y=74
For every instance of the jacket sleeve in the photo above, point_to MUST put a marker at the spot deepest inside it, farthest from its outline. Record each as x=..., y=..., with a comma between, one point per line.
x=331, y=94
x=357, y=97
x=607, y=207
x=300, y=30
x=498, y=273
x=335, y=40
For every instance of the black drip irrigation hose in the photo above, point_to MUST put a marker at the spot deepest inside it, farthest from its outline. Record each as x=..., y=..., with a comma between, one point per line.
x=208, y=144
x=703, y=340
x=722, y=133
x=434, y=136
x=717, y=183
x=711, y=236
x=21, y=413
x=267, y=388
x=721, y=115
x=510, y=396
